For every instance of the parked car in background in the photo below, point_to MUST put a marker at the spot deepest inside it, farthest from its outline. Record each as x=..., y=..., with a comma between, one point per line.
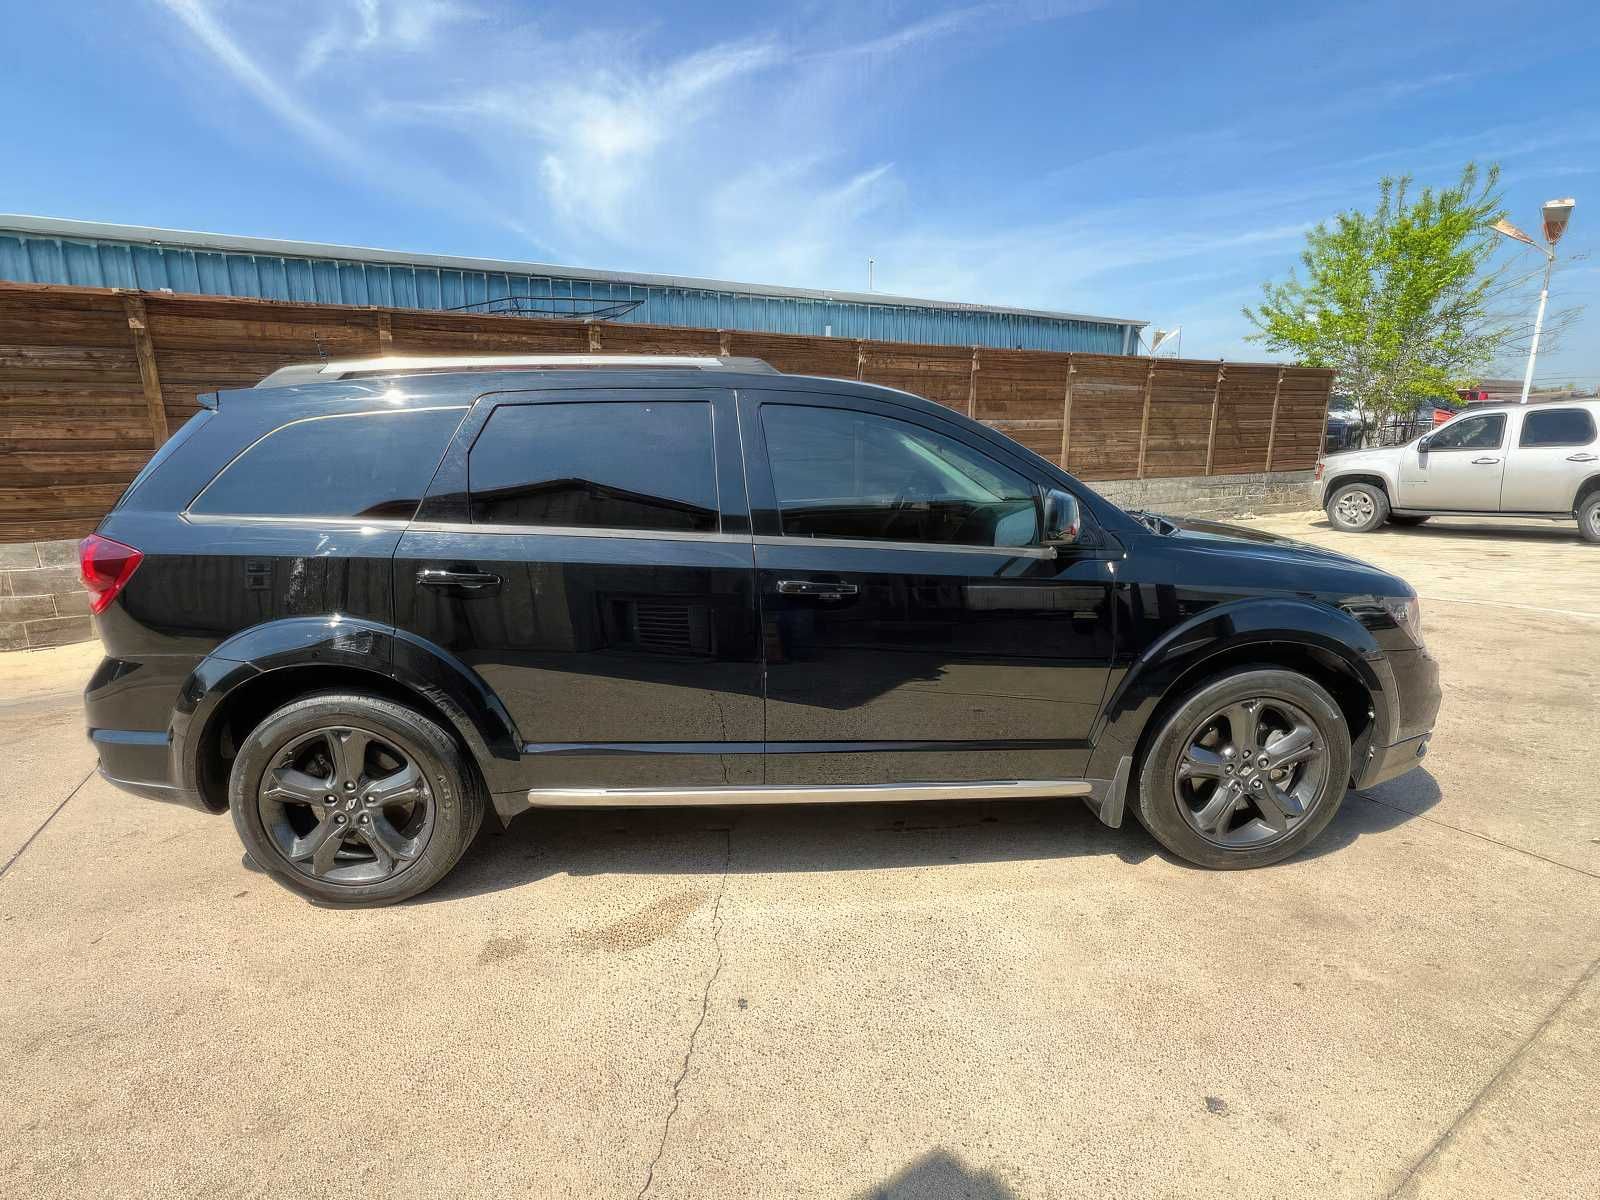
x=1505, y=460
x=366, y=602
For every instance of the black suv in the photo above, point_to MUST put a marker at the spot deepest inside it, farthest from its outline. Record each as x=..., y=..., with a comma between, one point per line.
x=363, y=602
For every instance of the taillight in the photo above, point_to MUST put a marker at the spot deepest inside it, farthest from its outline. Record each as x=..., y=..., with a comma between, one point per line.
x=106, y=566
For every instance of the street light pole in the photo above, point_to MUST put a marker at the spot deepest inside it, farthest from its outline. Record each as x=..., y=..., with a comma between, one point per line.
x=1556, y=213
x=1538, y=324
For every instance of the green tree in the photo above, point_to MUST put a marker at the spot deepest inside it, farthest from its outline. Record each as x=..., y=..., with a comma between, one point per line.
x=1398, y=301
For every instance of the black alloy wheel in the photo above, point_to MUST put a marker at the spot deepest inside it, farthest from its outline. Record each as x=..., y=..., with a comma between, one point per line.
x=346, y=805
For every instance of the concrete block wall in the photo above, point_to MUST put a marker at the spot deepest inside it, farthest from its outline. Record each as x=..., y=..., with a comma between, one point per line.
x=42, y=601
x=1216, y=496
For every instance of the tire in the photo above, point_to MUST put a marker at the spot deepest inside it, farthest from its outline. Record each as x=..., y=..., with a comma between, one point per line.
x=1405, y=521
x=1195, y=818
x=1357, y=508
x=398, y=810
x=1589, y=517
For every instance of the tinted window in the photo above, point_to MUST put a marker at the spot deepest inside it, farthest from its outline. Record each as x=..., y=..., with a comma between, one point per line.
x=606, y=465
x=1562, y=427
x=1482, y=432
x=843, y=474
x=362, y=465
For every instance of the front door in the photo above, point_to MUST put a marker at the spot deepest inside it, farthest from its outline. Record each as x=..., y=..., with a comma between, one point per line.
x=1460, y=468
x=587, y=553
x=1554, y=452
x=915, y=628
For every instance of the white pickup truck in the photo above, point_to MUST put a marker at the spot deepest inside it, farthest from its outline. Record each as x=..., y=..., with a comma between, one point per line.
x=1540, y=460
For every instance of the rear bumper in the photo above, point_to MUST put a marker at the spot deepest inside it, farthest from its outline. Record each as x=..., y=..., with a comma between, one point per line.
x=141, y=763
x=124, y=698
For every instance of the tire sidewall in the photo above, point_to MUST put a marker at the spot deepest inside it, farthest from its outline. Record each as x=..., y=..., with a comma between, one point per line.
x=1589, y=519
x=1157, y=805
x=437, y=757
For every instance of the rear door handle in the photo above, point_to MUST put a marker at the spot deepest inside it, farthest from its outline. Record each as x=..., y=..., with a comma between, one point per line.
x=1582, y=457
x=1484, y=462
x=469, y=580
x=821, y=589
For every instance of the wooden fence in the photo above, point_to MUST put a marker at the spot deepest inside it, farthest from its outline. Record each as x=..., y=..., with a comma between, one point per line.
x=93, y=379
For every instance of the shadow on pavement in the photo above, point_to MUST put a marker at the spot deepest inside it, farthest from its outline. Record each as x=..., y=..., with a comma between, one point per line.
x=846, y=837
x=940, y=1175
x=1544, y=531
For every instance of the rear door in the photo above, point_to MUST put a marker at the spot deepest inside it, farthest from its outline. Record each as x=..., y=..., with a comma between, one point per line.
x=915, y=629
x=587, y=552
x=1461, y=467
x=1553, y=452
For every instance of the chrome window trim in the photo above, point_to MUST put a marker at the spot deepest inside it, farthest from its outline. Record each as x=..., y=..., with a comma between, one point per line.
x=194, y=518
x=994, y=789
x=924, y=547
x=647, y=535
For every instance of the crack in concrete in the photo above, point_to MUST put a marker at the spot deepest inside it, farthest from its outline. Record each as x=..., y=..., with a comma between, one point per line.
x=22, y=849
x=1482, y=837
x=705, y=1008
x=1432, y=1155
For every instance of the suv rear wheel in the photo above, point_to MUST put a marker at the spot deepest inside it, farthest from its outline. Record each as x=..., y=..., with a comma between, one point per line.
x=352, y=800
x=1246, y=771
x=1589, y=517
x=1358, y=508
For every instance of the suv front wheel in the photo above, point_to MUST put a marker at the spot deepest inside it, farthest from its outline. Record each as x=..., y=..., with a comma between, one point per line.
x=1358, y=508
x=351, y=800
x=1246, y=770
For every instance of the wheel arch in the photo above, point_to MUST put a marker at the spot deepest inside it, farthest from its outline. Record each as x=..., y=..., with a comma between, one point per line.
x=1586, y=489
x=1356, y=476
x=1322, y=643
x=261, y=669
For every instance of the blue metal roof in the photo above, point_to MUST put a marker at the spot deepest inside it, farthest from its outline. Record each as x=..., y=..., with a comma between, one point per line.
x=91, y=254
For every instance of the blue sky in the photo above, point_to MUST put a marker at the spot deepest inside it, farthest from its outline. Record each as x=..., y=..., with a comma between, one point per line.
x=1132, y=159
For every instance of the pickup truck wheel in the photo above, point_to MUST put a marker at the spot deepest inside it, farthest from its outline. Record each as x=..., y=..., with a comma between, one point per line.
x=1246, y=771
x=1589, y=518
x=351, y=800
x=1358, y=508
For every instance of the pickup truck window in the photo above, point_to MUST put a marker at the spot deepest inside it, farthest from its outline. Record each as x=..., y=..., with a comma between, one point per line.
x=1557, y=427
x=1481, y=432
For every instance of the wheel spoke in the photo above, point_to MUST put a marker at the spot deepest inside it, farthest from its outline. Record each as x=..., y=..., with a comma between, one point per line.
x=320, y=846
x=387, y=843
x=348, y=749
x=1293, y=747
x=404, y=786
x=1218, y=809
x=1275, y=805
x=1200, y=763
x=295, y=787
x=1242, y=719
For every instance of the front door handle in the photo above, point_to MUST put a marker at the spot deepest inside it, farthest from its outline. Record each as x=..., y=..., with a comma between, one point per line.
x=469, y=580
x=1582, y=457
x=1484, y=462
x=819, y=589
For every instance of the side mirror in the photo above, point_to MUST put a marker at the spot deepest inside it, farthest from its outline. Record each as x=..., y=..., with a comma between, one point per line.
x=1425, y=444
x=1062, y=519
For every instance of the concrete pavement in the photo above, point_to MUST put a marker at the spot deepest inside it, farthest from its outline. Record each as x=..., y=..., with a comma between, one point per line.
x=1002, y=1000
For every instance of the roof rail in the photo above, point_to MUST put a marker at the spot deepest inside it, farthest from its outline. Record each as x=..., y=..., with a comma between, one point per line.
x=406, y=364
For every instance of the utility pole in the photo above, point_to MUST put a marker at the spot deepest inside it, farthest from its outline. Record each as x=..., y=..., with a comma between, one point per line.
x=1555, y=215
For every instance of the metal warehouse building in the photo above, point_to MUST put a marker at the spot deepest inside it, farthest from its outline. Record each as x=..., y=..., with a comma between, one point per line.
x=92, y=254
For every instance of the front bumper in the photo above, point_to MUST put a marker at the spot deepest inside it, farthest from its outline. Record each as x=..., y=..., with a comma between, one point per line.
x=1414, y=706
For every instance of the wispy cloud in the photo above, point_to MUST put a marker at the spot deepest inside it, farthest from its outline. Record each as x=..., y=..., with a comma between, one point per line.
x=362, y=26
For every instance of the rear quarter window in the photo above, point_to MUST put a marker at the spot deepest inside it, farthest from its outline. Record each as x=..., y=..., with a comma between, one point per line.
x=1559, y=427
x=374, y=465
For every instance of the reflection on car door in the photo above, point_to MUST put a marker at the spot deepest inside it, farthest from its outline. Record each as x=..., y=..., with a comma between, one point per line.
x=588, y=554
x=1461, y=468
x=1552, y=454
x=910, y=616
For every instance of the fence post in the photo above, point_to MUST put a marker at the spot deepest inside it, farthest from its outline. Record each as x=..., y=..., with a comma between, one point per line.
x=1272, y=429
x=1144, y=423
x=972, y=387
x=594, y=338
x=139, y=326
x=385, y=335
x=861, y=359
x=1216, y=401
x=1066, y=410
x=724, y=344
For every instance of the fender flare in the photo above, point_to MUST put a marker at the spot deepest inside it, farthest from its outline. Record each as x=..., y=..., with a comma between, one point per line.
x=427, y=671
x=1331, y=635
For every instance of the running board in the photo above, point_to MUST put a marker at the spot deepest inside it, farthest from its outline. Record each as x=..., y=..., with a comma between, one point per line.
x=1011, y=789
